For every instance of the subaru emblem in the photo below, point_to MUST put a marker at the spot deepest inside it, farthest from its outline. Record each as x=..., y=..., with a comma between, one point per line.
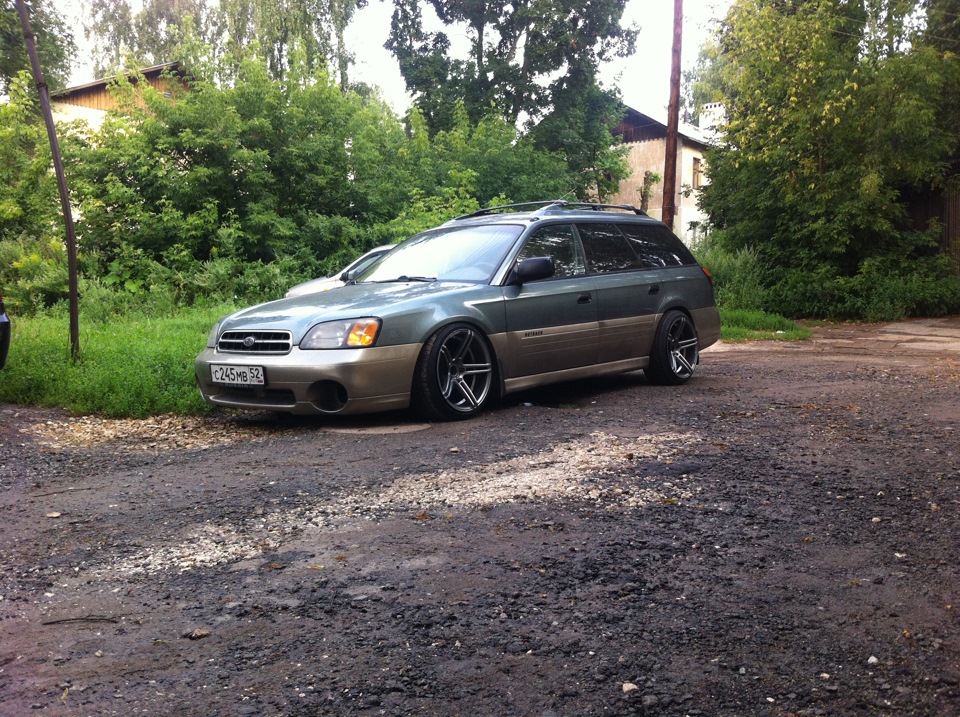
x=248, y=342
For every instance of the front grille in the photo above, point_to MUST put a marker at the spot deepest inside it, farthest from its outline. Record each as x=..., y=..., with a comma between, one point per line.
x=255, y=342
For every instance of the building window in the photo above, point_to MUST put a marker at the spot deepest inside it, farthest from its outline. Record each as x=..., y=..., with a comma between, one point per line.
x=697, y=173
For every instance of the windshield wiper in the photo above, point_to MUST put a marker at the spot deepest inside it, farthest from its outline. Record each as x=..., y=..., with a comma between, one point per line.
x=411, y=278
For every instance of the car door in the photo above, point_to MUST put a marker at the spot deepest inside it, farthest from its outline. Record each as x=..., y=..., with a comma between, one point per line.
x=551, y=323
x=627, y=293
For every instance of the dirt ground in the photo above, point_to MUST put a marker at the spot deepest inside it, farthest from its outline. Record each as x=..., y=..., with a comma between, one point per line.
x=778, y=537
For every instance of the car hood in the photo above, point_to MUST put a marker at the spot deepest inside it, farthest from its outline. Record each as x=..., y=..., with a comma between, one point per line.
x=298, y=314
x=313, y=286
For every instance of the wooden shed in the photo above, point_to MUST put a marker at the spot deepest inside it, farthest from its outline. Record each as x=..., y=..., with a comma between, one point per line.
x=93, y=100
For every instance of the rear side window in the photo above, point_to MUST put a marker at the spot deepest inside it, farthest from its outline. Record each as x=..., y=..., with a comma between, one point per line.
x=656, y=246
x=606, y=248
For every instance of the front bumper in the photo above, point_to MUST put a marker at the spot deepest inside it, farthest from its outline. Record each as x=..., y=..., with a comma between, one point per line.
x=322, y=382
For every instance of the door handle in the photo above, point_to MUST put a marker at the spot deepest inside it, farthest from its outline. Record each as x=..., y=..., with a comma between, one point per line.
x=655, y=289
x=584, y=299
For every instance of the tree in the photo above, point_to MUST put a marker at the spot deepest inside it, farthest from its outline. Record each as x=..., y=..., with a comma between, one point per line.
x=578, y=128
x=55, y=44
x=943, y=24
x=232, y=29
x=148, y=36
x=514, y=47
x=33, y=258
x=279, y=28
x=535, y=60
x=942, y=32
x=703, y=83
x=27, y=189
x=489, y=161
x=833, y=112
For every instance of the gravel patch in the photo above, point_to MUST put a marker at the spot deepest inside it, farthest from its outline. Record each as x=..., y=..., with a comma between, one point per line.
x=776, y=538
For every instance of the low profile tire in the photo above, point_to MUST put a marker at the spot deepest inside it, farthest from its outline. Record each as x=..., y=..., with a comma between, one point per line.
x=675, y=351
x=455, y=374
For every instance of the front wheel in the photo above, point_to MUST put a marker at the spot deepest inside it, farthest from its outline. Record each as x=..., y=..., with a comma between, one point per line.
x=454, y=374
x=675, y=351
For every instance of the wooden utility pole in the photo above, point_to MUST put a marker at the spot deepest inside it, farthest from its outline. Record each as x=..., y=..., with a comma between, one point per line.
x=673, y=121
x=61, y=179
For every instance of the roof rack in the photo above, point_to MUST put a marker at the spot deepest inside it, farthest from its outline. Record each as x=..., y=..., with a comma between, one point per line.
x=549, y=204
x=597, y=207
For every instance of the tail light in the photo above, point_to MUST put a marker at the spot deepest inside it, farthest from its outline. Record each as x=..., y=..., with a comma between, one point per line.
x=707, y=272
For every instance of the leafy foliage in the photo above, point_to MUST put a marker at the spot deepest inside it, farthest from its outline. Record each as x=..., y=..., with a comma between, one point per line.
x=54, y=41
x=32, y=257
x=255, y=171
x=578, y=129
x=513, y=46
x=736, y=275
x=488, y=159
x=535, y=60
x=834, y=111
x=703, y=83
x=152, y=32
x=25, y=185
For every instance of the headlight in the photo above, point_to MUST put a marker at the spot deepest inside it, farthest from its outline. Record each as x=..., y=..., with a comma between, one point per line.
x=349, y=334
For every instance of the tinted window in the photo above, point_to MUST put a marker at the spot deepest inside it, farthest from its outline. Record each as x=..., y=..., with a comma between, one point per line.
x=656, y=246
x=606, y=248
x=559, y=244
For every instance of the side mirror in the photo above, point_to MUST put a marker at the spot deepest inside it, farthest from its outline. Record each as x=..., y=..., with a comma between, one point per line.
x=533, y=269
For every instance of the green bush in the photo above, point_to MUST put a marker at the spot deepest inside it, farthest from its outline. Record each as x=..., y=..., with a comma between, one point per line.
x=812, y=294
x=33, y=273
x=736, y=274
x=878, y=292
x=102, y=304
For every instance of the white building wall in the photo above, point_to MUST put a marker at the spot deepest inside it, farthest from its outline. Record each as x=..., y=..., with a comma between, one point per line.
x=649, y=156
x=69, y=113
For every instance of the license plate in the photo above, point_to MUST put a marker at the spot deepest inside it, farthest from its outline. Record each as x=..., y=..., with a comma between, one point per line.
x=237, y=375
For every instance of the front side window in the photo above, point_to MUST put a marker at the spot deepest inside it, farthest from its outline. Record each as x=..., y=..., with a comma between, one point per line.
x=559, y=243
x=606, y=248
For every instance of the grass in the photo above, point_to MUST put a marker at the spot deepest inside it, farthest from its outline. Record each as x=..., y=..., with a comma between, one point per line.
x=739, y=325
x=133, y=365
x=137, y=365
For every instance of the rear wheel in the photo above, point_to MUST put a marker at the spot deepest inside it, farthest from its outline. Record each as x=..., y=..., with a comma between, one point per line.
x=675, y=351
x=454, y=375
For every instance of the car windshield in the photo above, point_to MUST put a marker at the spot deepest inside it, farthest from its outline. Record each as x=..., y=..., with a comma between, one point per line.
x=470, y=253
x=360, y=265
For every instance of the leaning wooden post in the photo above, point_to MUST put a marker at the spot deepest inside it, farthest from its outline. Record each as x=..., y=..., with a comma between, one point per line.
x=61, y=180
x=673, y=120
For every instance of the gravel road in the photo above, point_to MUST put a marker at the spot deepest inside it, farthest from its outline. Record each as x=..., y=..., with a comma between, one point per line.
x=777, y=537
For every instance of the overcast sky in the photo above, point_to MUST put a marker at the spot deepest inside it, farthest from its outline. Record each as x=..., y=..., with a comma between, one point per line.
x=643, y=79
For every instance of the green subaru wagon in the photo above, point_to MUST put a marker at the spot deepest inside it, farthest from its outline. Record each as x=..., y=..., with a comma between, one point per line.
x=490, y=303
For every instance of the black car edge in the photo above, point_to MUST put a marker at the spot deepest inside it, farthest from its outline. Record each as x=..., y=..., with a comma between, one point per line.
x=4, y=333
